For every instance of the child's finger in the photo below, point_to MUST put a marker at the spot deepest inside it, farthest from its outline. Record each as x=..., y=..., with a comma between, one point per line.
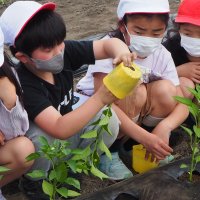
x=167, y=149
x=116, y=61
x=134, y=55
x=147, y=155
x=153, y=158
x=128, y=60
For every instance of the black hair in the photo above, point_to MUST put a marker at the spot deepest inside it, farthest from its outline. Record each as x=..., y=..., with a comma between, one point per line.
x=173, y=30
x=6, y=71
x=118, y=34
x=46, y=29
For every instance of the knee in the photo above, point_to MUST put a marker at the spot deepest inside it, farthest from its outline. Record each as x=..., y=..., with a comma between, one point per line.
x=134, y=102
x=164, y=92
x=23, y=148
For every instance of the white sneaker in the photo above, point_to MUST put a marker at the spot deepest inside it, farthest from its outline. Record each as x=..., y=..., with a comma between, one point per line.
x=115, y=169
x=1, y=196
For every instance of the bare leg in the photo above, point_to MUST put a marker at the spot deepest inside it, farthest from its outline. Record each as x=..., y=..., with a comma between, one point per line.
x=133, y=103
x=13, y=155
x=160, y=101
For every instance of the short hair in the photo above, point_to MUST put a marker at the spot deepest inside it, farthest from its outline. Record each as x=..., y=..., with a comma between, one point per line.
x=46, y=29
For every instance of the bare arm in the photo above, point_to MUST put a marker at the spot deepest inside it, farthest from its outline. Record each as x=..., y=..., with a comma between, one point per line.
x=179, y=114
x=14, y=119
x=7, y=93
x=173, y=120
x=65, y=126
x=113, y=48
x=190, y=70
x=152, y=143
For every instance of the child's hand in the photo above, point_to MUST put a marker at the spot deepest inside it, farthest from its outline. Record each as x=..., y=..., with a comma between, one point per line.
x=7, y=93
x=105, y=95
x=190, y=70
x=163, y=132
x=2, y=138
x=127, y=59
x=157, y=147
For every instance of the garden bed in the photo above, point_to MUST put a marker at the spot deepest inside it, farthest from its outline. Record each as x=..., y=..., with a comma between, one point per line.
x=161, y=184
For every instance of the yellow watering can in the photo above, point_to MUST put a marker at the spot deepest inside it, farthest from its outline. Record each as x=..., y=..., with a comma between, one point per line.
x=139, y=163
x=122, y=80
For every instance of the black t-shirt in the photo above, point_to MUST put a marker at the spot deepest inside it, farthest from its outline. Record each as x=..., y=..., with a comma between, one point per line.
x=173, y=45
x=39, y=94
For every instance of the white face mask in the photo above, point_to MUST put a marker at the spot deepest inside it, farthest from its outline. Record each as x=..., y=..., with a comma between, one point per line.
x=143, y=46
x=191, y=45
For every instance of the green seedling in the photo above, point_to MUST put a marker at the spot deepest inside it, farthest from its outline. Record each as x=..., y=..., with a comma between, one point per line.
x=194, y=132
x=66, y=161
x=57, y=179
x=2, y=2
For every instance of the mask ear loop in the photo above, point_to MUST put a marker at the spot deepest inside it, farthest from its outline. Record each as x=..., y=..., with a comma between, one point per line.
x=124, y=35
x=124, y=38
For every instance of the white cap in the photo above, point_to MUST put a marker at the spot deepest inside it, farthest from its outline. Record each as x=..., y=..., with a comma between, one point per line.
x=1, y=48
x=142, y=6
x=17, y=15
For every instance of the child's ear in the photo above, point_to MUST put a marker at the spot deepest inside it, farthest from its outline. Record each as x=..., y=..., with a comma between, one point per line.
x=22, y=57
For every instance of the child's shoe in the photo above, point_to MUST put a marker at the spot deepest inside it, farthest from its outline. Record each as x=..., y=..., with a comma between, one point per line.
x=115, y=169
x=167, y=160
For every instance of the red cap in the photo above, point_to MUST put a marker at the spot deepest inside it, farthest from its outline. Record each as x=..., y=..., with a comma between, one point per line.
x=189, y=12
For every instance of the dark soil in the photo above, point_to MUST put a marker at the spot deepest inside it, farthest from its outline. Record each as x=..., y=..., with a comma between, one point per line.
x=83, y=19
x=195, y=177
